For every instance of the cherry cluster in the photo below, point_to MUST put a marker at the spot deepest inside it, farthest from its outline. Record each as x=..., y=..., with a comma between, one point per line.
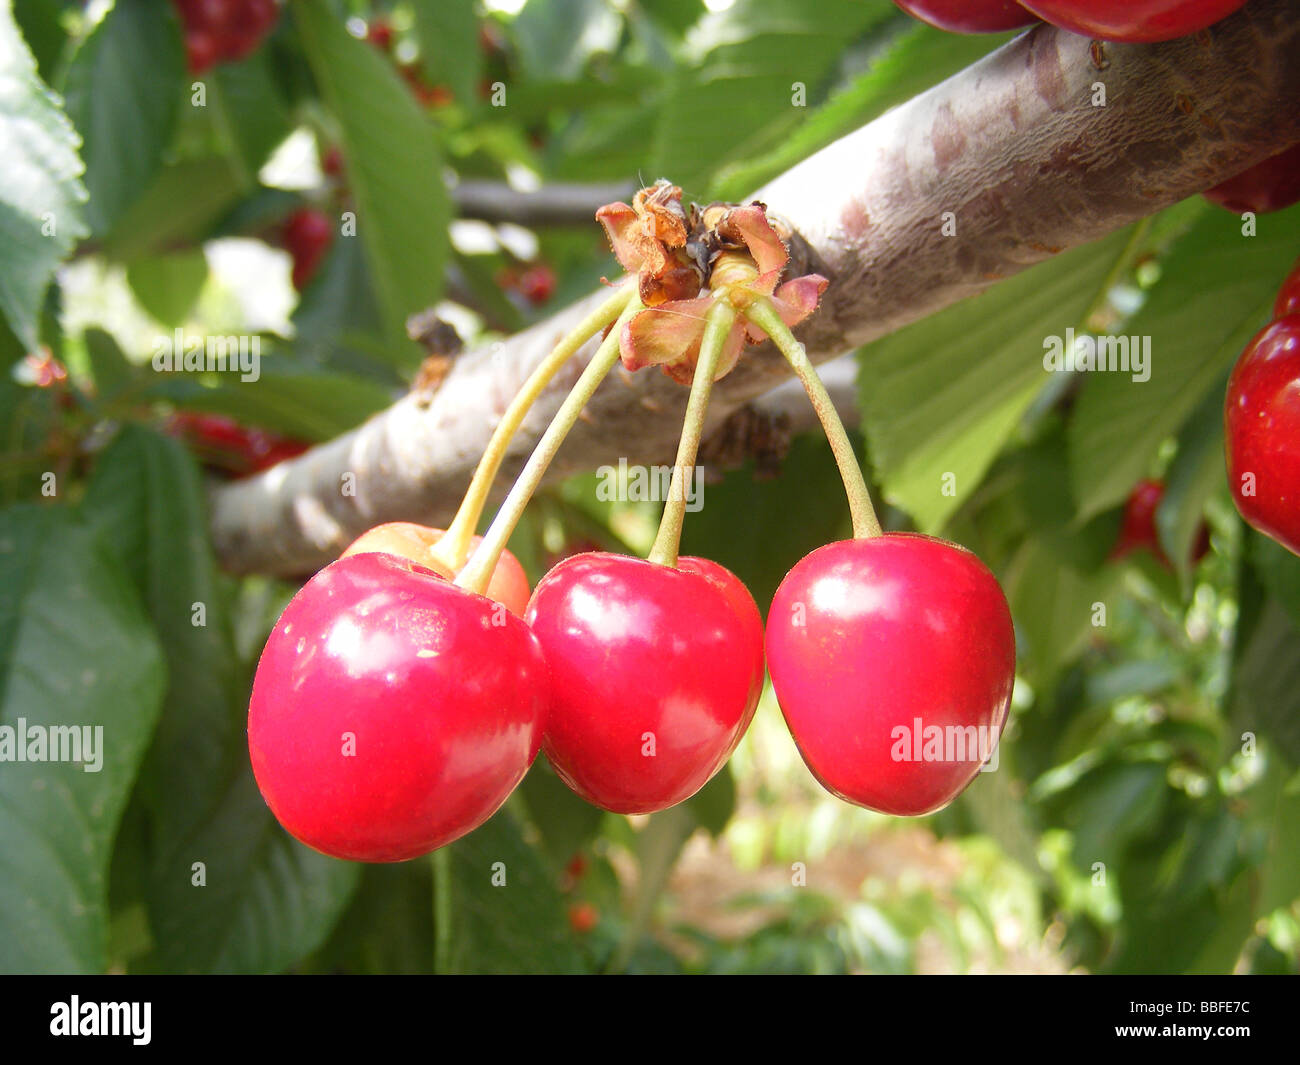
x=409, y=685
x=219, y=31
x=1129, y=21
x=1262, y=423
x=393, y=712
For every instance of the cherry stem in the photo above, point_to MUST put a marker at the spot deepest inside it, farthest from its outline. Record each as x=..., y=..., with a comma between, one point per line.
x=453, y=548
x=765, y=316
x=668, y=541
x=478, y=571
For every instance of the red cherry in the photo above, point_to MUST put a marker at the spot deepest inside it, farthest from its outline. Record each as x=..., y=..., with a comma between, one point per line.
x=969, y=16
x=223, y=444
x=269, y=449
x=1201, y=546
x=308, y=234
x=436, y=96
x=1288, y=296
x=211, y=15
x=247, y=26
x=1262, y=432
x=1133, y=20
x=1267, y=186
x=262, y=14
x=428, y=95
x=1138, y=530
x=537, y=284
x=241, y=44
x=202, y=51
x=583, y=917
x=380, y=34
x=576, y=869
x=875, y=647
x=509, y=585
x=331, y=163
x=210, y=428
x=656, y=672
x=392, y=712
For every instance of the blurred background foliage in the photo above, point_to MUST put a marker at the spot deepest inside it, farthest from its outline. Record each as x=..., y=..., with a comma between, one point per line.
x=1145, y=812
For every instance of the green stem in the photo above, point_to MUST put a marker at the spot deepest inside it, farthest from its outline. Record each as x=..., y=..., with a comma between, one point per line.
x=441, y=910
x=722, y=316
x=453, y=548
x=478, y=571
x=865, y=523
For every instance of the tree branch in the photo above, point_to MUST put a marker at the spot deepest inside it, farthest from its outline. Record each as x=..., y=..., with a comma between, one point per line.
x=1013, y=146
x=551, y=205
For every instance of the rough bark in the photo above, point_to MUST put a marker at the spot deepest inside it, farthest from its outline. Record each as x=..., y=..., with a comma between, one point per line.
x=1013, y=146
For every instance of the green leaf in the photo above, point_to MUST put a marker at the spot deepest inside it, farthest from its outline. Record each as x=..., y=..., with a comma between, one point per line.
x=1039, y=474
x=920, y=57
x=109, y=368
x=1208, y=856
x=449, y=50
x=713, y=805
x=124, y=91
x=507, y=913
x=1281, y=864
x=566, y=823
x=1195, y=475
x=1203, y=937
x=1053, y=605
x=40, y=22
x=147, y=498
x=1226, y=934
x=387, y=928
x=1278, y=570
x=1265, y=691
x=785, y=518
x=265, y=901
x=556, y=38
x=675, y=15
x=41, y=199
x=658, y=845
x=394, y=171
x=181, y=206
x=996, y=806
x=248, y=106
x=601, y=144
x=941, y=397
x=1111, y=807
x=739, y=95
x=78, y=651
x=337, y=320
x=168, y=286
x=1215, y=291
